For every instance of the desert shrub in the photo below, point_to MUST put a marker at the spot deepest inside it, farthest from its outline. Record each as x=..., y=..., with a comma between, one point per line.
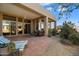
x=74, y=38
x=69, y=33
x=66, y=30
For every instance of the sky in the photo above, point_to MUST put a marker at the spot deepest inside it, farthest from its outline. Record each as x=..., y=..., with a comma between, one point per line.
x=74, y=17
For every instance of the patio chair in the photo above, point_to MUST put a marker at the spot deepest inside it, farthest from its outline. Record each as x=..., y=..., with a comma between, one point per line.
x=19, y=45
x=39, y=32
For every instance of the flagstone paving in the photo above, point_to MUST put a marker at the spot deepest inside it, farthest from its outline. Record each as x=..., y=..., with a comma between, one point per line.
x=45, y=46
x=58, y=49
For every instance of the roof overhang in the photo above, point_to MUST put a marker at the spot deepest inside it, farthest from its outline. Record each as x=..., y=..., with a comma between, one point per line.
x=26, y=10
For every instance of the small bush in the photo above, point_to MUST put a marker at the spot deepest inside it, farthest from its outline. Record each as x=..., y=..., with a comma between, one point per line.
x=49, y=32
x=69, y=34
x=66, y=30
x=74, y=38
x=11, y=46
x=54, y=32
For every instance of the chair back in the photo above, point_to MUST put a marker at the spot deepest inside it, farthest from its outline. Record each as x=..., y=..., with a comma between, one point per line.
x=4, y=40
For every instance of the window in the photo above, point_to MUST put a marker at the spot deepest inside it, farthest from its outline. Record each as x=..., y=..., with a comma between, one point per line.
x=27, y=26
x=20, y=27
x=9, y=25
x=13, y=28
x=27, y=29
x=6, y=27
x=10, y=18
x=20, y=19
x=27, y=21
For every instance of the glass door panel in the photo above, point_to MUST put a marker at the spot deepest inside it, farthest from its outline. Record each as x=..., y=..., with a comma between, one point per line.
x=6, y=27
x=20, y=27
x=27, y=29
x=13, y=28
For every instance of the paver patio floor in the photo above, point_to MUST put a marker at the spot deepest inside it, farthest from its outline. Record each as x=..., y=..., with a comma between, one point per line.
x=45, y=46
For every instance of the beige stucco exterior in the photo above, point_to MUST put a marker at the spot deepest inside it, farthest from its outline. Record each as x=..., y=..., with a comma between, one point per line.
x=31, y=11
x=0, y=23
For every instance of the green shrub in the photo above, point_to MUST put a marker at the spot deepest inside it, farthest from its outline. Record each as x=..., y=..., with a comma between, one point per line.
x=69, y=34
x=54, y=32
x=49, y=32
x=66, y=30
x=11, y=46
x=74, y=38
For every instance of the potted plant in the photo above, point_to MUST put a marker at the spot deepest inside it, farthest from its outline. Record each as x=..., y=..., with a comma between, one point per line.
x=4, y=49
x=11, y=47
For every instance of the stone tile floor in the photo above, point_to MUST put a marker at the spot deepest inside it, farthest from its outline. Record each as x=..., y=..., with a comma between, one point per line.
x=45, y=46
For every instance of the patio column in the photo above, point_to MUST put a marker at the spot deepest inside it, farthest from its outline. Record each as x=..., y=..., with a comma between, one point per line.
x=46, y=26
x=23, y=26
x=35, y=25
x=1, y=17
x=16, y=25
x=50, y=24
x=55, y=25
x=39, y=24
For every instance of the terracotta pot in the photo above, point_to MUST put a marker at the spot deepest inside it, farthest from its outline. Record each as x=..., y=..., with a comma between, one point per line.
x=4, y=51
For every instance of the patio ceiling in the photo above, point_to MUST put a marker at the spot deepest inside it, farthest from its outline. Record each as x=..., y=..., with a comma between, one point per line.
x=19, y=11
x=38, y=8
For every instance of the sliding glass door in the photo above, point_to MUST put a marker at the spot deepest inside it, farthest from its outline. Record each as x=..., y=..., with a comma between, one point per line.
x=13, y=28
x=27, y=29
x=20, y=28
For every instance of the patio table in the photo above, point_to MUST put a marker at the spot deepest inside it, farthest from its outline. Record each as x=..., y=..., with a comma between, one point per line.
x=20, y=45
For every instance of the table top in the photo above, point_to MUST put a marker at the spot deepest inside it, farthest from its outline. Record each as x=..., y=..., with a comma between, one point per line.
x=20, y=44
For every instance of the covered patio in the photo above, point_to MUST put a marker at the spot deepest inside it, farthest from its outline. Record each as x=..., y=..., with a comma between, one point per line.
x=20, y=21
x=26, y=18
